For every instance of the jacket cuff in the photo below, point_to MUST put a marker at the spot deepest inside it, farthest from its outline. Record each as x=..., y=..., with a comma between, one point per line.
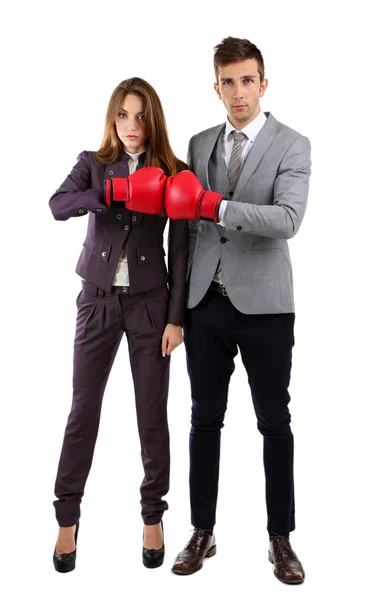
x=176, y=317
x=92, y=200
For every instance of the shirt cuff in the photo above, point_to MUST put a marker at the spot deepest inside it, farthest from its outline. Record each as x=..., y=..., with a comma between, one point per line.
x=222, y=211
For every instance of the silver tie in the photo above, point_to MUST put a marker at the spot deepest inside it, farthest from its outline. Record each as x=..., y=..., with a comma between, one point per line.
x=233, y=172
x=236, y=156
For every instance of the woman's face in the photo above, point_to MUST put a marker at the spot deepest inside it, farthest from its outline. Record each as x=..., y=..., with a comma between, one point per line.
x=130, y=124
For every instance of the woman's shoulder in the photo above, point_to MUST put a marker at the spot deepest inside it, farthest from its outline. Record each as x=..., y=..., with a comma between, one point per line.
x=87, y=156
x=90, y=158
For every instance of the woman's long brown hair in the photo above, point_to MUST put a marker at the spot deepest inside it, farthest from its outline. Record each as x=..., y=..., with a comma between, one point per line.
x=159, y=151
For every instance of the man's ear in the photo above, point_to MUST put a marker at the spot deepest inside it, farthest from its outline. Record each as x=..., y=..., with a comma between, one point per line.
x=216, y=87
x=263, y=87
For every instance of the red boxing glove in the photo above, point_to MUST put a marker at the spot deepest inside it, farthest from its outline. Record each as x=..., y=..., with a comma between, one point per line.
x=143, y=191
x=186, y=199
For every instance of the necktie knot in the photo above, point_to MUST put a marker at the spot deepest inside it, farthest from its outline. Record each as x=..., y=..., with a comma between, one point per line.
x=238, y=136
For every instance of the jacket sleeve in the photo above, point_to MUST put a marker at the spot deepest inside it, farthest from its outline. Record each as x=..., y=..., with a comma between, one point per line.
x=75, y=197
x=283, y=218
x=178, y=252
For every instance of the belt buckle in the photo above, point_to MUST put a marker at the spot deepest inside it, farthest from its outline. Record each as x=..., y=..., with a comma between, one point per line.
x=223, y=290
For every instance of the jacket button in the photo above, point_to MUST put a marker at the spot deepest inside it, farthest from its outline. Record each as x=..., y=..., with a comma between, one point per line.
x=126, y=227
x=239, y=228
x=99, y=210
x=104, y=254
x=81, y=210
x=119, y=217
x=111, y=172
x=142, y=258
x=230, y=193
x=124, y=289
x=223, y=240
x=133, y=219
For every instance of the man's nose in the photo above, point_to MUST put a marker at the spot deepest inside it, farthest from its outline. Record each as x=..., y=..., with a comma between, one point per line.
x=238, y=91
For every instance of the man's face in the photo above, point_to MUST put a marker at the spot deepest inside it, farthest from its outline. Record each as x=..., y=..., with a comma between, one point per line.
x=240, y=90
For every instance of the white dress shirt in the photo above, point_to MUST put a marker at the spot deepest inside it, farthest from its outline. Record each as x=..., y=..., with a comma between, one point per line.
x=251, y=130
x=122, y=271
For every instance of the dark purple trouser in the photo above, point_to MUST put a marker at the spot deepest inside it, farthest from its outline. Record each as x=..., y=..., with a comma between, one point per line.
x=102, y=319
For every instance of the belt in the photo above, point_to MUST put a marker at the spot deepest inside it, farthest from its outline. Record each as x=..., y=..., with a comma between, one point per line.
x=120, y=289
x=218, y=287
x=92, y=289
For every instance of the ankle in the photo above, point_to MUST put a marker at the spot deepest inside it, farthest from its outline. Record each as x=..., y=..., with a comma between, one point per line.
x=152, y=529
x=67, y=530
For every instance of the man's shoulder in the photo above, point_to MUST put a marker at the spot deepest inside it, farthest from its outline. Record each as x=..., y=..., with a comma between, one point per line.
x=202, y=135
x=284, y=132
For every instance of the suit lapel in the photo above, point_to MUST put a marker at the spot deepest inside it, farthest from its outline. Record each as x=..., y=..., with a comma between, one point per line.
x=208, y=148
x=262, y=143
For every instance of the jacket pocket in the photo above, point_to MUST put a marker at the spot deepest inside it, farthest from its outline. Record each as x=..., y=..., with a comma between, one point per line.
x=149, y=254
x=98, y=248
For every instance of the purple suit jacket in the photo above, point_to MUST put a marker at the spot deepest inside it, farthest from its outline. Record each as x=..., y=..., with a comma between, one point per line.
x=111, y=229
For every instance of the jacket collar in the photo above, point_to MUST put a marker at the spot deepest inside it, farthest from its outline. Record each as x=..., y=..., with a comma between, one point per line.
x=124, y=157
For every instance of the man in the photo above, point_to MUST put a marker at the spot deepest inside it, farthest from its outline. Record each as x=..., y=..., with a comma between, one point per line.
x=241, y=292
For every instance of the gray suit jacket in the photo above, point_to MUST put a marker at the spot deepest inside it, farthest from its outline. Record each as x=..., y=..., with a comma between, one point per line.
x=266, y=208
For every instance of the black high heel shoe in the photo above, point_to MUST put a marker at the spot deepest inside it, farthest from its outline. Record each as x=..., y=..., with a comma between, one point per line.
x=64, y=563
x=153, y=558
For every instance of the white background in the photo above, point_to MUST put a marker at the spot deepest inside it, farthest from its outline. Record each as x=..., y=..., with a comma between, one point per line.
x=61, y=64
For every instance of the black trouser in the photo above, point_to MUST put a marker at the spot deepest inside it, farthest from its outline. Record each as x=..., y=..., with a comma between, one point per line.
x=103, y=318
x=214, y=331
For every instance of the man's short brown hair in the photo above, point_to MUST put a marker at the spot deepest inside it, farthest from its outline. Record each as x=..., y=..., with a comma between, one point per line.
x=232, y=50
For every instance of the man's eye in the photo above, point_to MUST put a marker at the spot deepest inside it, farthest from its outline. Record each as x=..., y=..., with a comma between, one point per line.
x=227, y=82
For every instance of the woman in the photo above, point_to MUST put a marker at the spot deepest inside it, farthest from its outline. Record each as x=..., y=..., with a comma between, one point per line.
x=124, y=290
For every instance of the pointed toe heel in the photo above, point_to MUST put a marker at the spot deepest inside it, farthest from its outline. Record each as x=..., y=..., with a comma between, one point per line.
x=64, y=563
x=153, y=558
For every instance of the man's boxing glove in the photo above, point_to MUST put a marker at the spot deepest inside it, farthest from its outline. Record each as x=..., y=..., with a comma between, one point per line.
x=143, y=191
x=185, y=198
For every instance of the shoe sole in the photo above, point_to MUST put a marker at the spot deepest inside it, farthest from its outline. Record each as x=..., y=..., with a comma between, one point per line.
x=153, y=566
x=211, y=552
x=64, y=570
x=286, y=581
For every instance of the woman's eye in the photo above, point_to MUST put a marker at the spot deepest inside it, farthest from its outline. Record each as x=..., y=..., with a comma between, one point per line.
x=122, y=115
x=141, y=117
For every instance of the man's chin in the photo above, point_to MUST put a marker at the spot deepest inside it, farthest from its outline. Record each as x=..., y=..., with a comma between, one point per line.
x=240, y=115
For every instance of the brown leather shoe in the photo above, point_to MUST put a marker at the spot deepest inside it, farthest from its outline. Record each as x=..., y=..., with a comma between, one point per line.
x=287, y=567
x=191, y=559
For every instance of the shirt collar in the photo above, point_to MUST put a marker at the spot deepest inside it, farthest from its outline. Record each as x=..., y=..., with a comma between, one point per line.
x=125, y=156
x=134, y=156
x=251, y=130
